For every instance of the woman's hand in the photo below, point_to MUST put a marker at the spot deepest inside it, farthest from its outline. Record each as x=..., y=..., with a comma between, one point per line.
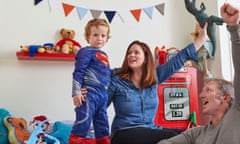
x=200, y=36
x=79, y=99
x=230, y=14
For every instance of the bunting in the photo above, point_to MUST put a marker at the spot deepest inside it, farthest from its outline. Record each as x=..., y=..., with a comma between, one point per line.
x=136, y=13
x=67, y=8
x=160, y=8
x=109, y=15
x=95, y=13
x=36, y=2
x=148, y=11
x=81, y=11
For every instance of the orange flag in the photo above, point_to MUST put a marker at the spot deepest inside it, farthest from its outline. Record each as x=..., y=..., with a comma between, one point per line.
x=67, y=8
x=136, y=13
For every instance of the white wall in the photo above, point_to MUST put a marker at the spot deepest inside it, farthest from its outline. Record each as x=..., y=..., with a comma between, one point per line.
x=29, y=88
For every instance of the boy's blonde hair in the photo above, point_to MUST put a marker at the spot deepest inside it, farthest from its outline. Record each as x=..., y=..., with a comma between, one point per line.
x=95, y=23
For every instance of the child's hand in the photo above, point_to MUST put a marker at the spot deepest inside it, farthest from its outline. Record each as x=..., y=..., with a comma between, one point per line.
x=79, y=99
x=200, y=36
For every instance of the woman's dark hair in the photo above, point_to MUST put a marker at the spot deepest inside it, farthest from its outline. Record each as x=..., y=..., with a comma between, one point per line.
x=148, y=69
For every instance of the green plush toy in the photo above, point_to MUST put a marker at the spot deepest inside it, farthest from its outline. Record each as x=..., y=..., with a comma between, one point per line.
x=61, y=131
x=3, y=129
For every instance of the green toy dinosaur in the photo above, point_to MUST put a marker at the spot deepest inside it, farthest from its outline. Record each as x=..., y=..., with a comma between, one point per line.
x=202, y=18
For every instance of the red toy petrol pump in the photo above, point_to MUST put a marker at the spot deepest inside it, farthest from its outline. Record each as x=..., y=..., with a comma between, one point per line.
x=178, y=99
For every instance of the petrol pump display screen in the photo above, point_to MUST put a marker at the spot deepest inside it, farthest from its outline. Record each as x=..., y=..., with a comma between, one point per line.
x=176, y=103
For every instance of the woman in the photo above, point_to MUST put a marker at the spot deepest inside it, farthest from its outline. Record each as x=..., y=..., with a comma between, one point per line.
x=133, y=91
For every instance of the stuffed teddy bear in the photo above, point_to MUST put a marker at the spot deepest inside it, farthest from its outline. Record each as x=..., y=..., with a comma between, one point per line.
x=67, y=44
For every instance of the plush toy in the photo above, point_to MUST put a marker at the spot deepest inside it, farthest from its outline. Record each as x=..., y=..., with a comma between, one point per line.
x=39, y=136
x=67, y=44
x=58, y=130
x=33, y=49
x=17, y=130
x=48, y=47
x=35, y=122
x=164, y=54
x=61, y=131
x=3, y=130
x=160, y=55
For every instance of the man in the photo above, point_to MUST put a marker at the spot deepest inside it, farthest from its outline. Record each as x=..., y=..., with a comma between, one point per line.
x=217, y=98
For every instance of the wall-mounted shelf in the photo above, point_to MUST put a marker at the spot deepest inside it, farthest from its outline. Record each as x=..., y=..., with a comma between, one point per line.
x=46, y=56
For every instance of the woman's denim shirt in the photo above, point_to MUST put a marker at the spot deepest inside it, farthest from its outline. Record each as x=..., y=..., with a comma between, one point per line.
x=136, y=107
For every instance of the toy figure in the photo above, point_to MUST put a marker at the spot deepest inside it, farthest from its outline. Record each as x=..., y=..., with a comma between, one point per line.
x=38, y=136
x=35, y=122
x=202, y=18
x=33, y=49
x=58, y=129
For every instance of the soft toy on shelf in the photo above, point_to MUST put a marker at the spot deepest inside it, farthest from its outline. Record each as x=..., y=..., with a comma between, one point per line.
x=33, y=49
x=160, y=54
x=164, y=54
x=48, y=47
x=67, y=44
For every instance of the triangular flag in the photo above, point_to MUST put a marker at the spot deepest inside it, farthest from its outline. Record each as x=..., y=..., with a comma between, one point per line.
x=110, y=15
x=96, y=13
x=149, y=11
x=136, y=13
x=81, y=12
x=160, y=8
x=37, y=2
x=53, y=4
x=67, y=8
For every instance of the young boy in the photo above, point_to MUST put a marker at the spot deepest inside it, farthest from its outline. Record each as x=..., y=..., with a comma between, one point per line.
x=93, y=73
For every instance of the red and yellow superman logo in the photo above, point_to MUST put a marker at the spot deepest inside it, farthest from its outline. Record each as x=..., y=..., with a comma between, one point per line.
x=103, y=58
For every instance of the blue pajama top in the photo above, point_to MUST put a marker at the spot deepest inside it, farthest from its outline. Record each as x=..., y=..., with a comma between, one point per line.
x=91, y=68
